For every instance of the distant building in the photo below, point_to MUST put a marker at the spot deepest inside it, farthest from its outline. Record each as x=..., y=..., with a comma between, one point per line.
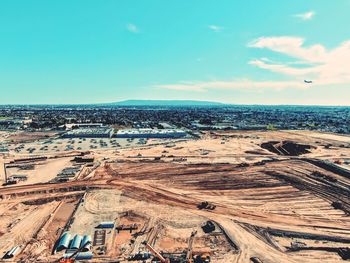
x=100, y=132
x=215, y=126
x=151, y=133
x=70, y=126
x=14, y=123
x=3, y=149
x=166, y=125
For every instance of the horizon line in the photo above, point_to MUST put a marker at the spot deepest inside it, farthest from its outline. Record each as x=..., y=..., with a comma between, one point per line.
x=218, y=102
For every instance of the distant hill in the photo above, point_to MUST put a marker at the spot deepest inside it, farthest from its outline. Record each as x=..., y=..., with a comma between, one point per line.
x=166, y=103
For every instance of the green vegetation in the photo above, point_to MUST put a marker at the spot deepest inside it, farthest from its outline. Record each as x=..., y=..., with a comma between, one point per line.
x=270, y=127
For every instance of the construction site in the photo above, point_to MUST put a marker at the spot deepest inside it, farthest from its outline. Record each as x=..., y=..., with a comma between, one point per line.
x=227, y=196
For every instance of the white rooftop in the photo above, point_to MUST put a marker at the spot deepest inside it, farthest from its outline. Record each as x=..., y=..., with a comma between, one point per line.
x=150, y=131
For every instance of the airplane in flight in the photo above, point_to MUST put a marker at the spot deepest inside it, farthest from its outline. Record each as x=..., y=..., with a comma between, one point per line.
x=308, y=81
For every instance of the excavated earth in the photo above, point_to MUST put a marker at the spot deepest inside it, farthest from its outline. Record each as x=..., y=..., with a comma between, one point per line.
x=261, y=208
x=287, y=203
x=287, y=148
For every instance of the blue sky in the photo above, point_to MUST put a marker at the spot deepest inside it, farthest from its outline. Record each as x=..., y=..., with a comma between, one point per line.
x=242, y=51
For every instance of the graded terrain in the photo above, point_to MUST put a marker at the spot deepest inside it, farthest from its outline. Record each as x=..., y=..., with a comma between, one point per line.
x=276, y=196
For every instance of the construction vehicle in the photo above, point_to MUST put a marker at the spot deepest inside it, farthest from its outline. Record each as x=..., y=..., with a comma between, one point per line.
x=156, y=253
x=208, y=227
x=206, y=205
x=71, y=258
x=337, y=205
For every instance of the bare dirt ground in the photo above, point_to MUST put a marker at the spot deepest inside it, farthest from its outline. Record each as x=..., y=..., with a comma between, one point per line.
x=22, y=226
x=25, y=137
x=44, y=171
x=269, y=205
x=42, y=246
x=2, y=172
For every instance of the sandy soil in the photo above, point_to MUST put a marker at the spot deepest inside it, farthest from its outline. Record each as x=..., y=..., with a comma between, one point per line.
x=42, y=247
x=25, y=137
x=2, y=171
x=24, y=226
x=242, y=147
x=261, y=207
x=43, y=172
x=98, y=206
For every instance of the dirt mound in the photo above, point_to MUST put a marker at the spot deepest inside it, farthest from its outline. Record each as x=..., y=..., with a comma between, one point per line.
x=287, y=148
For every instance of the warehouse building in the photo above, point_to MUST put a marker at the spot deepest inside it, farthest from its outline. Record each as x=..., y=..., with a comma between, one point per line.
x=151, y=133
x=89, y=133
x=70, y=126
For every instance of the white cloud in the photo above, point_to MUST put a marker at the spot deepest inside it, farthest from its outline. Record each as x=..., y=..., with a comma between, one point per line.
x=132, y=28
x=215, y=28
x=321, y=65
x=291, y=46
x=306, y=16
x=240, y=84
x=281, y=68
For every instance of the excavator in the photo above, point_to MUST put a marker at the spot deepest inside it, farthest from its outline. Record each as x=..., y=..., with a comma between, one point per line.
x=71, y=258
x=156, y=253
